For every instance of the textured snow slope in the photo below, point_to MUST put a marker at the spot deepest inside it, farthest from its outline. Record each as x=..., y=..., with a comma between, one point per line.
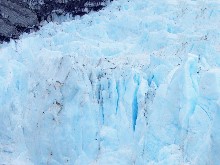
x=137, y=83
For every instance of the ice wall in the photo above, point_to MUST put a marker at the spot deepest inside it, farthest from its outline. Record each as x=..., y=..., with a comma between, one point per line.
x=137, y=83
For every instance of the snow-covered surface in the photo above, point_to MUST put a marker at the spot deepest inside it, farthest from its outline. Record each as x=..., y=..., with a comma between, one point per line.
x=135, y=84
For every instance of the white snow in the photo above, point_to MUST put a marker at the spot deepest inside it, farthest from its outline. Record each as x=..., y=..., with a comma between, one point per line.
x=136, y=83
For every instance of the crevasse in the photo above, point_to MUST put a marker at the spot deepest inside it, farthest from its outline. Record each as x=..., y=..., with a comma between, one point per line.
x=136, y=83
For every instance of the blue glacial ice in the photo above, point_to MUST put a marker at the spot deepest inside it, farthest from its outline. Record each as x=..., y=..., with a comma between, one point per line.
x=137, y=83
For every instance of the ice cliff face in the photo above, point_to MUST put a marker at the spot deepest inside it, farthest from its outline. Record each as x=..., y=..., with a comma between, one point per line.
x=137, y=83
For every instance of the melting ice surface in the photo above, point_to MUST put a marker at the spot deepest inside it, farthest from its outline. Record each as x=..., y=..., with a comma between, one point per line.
x=137, y=83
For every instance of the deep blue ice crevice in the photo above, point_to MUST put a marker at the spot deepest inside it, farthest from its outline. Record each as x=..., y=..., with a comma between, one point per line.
x=150, y=79
x=135, y=102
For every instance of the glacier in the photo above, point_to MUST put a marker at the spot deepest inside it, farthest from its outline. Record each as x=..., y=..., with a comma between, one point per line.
x=137, y=83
